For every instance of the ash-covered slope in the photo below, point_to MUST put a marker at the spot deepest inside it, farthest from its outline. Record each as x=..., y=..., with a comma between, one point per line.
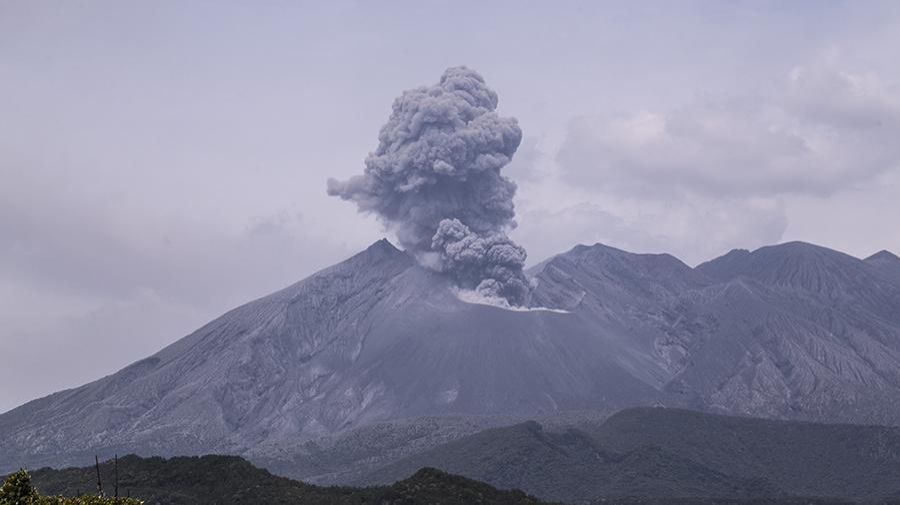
x=592, y=277
x=247, y=371
x=792, y=331
x=887, y=263
x=635, y=297
x=376, y=337
x=828, y=275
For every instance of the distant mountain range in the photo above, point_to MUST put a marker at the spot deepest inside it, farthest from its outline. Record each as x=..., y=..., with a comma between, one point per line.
x=793, y=331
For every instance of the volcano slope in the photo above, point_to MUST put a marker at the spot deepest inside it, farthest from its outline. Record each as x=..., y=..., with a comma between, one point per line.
x=373, y=338
x=791, y=331
x=887, y=263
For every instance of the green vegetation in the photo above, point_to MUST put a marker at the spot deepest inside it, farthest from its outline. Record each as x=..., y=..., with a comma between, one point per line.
x=18, y=490
x=230, y=479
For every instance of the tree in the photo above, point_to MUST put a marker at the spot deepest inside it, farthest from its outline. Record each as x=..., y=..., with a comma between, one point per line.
x=17, y=490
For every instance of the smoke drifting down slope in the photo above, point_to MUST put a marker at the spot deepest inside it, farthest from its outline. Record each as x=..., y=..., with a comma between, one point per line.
x=435, y=180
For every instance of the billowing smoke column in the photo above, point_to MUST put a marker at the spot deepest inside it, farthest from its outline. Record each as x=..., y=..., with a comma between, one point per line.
x=435, y=180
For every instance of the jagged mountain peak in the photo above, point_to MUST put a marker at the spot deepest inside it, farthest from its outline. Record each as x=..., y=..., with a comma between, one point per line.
x=802, y=250
x=383, y=246
x=607, y=273
x=795, y=250
x=797, y=265
x=722, y=268
x=884, y=257
x=887, y=264
x=602, y=250
x=380, y=251
x=616, y=261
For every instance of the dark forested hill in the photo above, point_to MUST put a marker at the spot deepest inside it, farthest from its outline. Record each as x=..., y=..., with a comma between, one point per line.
x=232, y=480
x=659, y=453
x=654, y=478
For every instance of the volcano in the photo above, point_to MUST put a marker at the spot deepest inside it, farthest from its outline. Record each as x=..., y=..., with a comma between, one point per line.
x=793, y=331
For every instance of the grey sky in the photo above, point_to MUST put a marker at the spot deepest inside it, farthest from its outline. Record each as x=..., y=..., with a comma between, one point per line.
x=161, y=162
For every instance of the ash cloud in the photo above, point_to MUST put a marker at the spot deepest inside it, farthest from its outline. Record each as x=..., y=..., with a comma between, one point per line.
x=491, y=263
x=435, y=180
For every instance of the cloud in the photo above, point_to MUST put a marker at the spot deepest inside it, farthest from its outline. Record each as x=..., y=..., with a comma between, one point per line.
x=699, y=179
x=844, y=101
x=89, y=284
x=525, y=166
x=819, y=132
x=81, y=338
x=693, y=229
x=489, y=263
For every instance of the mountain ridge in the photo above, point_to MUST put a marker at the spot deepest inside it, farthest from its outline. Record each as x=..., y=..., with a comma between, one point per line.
x=887, y=263
x=793, y=331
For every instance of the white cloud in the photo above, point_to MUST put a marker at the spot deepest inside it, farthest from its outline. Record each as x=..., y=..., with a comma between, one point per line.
x=693, y=229
x=820, y=131
x=89, y=285
x=701, y=179
x=76, y=339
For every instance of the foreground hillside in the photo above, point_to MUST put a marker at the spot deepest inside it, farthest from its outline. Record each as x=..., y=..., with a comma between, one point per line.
x=230, y=479
x=659, y=453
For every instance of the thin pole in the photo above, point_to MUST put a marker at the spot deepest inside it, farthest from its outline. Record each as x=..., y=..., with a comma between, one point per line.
x=117, y=477
x=99, y=484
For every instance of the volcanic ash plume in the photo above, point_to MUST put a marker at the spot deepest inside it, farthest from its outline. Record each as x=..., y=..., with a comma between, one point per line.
x=435, y=180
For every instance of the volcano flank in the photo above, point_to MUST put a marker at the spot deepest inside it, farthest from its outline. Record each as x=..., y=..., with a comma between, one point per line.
x=379, y=338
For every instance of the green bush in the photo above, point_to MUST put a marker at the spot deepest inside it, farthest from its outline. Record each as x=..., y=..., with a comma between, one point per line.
x=85, y=500
x=17, y=490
